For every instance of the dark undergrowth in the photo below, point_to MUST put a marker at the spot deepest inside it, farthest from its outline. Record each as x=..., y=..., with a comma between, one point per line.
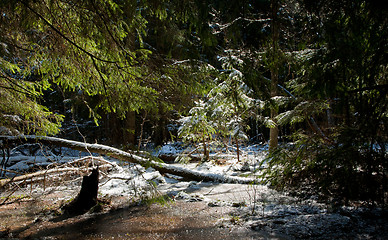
x=346, y=171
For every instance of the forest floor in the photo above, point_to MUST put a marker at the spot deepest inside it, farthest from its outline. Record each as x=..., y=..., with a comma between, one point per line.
x=180, y=219
x=198, y=210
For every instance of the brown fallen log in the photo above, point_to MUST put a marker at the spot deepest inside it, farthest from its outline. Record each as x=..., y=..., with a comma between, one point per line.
x=128, y=157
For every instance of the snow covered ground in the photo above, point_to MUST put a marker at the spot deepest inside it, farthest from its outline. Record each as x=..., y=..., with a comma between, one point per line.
x=256, y=206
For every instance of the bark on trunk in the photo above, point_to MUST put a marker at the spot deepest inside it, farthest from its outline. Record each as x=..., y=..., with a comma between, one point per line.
x=141, y=130
x=129, y=136
x=237, y=149
x=205, y=151
x=128, y=157
x=274, y=131
x=87, y=197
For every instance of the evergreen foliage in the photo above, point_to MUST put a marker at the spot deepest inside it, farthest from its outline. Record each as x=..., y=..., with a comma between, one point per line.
x=95, y=48
x=341, y=81
x=197, y=127
x=224, y=110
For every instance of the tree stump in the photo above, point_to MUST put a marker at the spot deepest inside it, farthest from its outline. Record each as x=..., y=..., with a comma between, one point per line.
x=87, y=197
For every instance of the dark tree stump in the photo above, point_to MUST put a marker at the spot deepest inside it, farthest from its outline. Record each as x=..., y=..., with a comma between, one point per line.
x=87, y=197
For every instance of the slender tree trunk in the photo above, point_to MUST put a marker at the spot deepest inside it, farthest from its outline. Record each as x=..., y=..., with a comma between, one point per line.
x=205, y=151
x=330, y=122
x=238, y=149
x=274, y=131
x=129, y=129
x=141, y=130
x=161, y=134
x=114, y=129
x=273, y=138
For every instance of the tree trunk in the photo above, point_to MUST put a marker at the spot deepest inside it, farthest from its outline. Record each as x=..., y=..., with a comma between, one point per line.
x=205, y=151
x=129, y=129
x=142, y=130
x=238, y=149
x=128, y=157
x=112, y=129
x=87, y=197
x=274, y=131
x=161, y=134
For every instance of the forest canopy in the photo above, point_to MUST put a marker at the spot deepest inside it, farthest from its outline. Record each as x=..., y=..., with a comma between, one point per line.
x=309, y=74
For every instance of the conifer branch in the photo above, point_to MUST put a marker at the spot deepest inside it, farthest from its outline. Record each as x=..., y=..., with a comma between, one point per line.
x=65, y=37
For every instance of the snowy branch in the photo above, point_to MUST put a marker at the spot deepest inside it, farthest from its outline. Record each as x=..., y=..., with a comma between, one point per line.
x=222, y=27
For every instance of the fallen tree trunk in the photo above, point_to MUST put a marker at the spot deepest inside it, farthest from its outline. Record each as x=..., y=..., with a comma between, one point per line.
x=128, y=157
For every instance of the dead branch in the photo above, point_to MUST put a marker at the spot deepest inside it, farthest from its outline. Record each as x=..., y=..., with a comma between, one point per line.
x=42, y=173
